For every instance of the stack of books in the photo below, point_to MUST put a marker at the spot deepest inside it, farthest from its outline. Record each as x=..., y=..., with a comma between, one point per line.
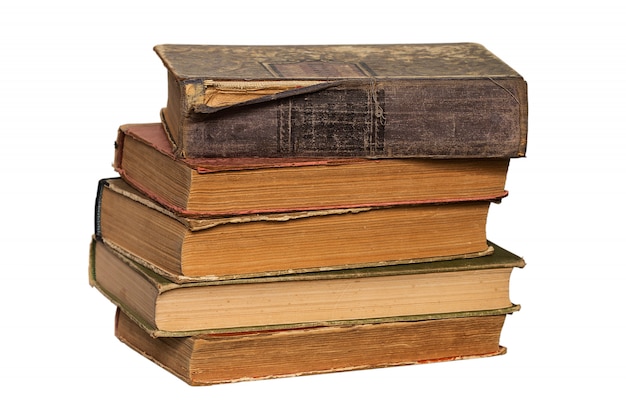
x=312, y=209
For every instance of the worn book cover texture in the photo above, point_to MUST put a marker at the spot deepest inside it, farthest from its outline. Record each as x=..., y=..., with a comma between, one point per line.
x=412, y=100
x=215, y=359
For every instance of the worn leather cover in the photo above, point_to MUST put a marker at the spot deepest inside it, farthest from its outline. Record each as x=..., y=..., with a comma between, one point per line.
x=430, y=100
x=215, y=359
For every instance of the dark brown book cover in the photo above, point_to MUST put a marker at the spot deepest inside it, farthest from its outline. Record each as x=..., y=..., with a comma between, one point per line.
x=412, y=100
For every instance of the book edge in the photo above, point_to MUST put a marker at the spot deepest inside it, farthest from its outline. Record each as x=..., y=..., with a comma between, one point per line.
x=157, y=333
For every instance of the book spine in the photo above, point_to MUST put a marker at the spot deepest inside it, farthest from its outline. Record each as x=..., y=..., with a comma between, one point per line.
x=429, y=118
x=98, y=208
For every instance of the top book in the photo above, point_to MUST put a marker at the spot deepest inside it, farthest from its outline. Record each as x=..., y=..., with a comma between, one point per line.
x=373, y=101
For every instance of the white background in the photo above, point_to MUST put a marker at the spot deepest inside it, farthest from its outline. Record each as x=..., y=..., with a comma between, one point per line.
x=72, y=72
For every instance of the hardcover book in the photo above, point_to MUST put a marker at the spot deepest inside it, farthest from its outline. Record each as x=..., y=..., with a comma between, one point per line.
x=413, y=100
x=187, y=248
x=225, y=358
x=233, y=186
x=343, y=297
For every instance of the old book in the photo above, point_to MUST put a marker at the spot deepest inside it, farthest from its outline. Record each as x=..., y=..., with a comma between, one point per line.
x=367, y=295
x=413, y=100
x=225, y=358
x=231, y=186
x=183, y=247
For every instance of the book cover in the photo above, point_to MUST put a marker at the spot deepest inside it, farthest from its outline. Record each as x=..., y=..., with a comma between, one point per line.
x=413, y=100
x=235, y=357
x=367, y=295
x=281, y=243
x=232, y=186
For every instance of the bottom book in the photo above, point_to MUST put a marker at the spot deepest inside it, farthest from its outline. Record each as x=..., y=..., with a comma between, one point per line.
x=224, y=358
